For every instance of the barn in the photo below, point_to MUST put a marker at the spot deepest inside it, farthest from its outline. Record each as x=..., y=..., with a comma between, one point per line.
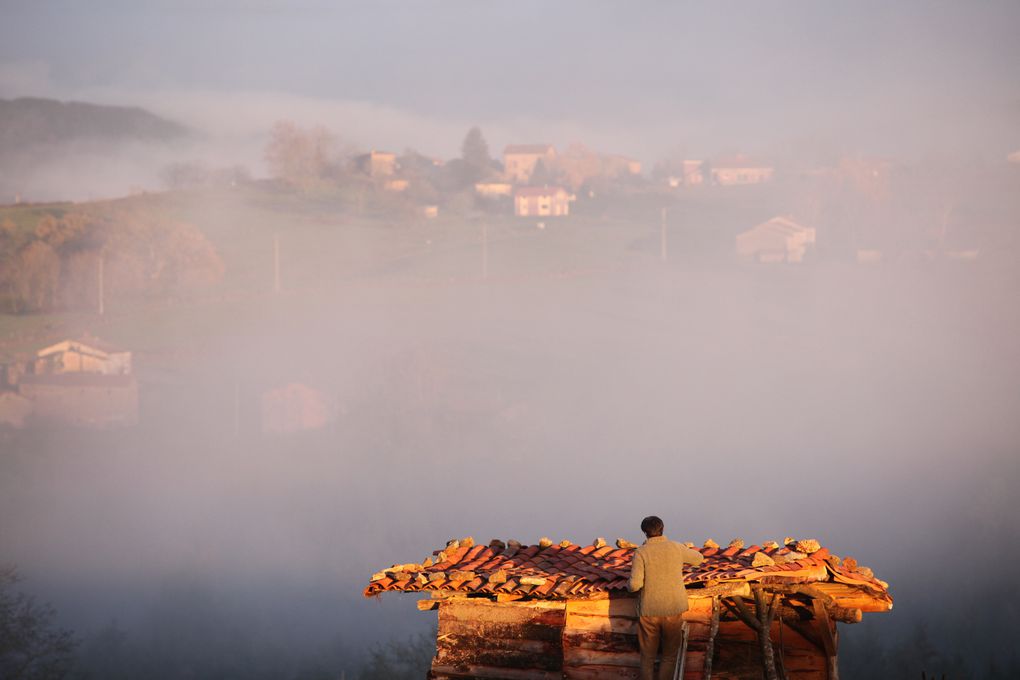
x=562, y=610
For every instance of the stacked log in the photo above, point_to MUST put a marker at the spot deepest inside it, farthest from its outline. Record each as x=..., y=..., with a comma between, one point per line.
x=478, y=638
x=596, y=639
x=600, y=639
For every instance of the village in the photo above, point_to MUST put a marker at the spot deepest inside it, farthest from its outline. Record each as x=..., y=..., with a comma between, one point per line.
x=724, y=213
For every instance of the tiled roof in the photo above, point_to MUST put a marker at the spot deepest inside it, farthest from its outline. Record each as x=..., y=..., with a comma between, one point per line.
x=527, y=149
x=566, y=570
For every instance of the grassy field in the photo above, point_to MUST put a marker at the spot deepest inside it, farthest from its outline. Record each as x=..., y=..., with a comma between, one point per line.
x=328, y=243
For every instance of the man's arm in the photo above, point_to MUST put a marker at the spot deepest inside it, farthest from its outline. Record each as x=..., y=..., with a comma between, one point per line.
x=692, y=556
x=637, y=573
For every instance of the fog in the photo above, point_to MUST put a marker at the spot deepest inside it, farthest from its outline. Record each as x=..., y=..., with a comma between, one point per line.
x=562, y=381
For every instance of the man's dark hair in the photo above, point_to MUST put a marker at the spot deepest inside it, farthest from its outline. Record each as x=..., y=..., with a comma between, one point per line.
x=652, y=526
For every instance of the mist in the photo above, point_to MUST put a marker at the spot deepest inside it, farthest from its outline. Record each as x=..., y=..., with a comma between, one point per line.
x=496, y=376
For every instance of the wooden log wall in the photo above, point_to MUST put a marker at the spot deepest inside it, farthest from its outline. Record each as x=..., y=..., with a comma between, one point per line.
x=478, y=638
x=597, y=640
x=600, y=639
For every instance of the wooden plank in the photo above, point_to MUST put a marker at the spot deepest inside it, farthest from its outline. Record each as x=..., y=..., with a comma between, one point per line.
x=584, y=623
x=465, y=644
x=482, y=671
x=524, y=630
x=544, y=613
x=824, y=627
x=543, y=658
x=597, y=672
x=579, y=624
x=609, y=642
x=587, y=657
x=854, y=598
x=620, y=607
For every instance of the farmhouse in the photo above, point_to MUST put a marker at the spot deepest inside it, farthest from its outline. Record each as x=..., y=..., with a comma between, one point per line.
x=562, y=610
x=740, y=170
x=541, y=201
x=780, y=239
x=82, y=356
x=519, y=160
x=377, y=163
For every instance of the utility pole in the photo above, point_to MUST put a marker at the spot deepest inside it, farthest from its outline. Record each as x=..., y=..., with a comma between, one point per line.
x=101, y=292
x=276, y=263
x=663, y=246
x=485, y=251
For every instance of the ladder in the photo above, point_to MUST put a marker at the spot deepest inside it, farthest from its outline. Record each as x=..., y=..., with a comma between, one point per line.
x=681, y=656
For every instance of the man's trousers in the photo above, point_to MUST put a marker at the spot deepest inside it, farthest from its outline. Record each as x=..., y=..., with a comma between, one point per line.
x=653, y=630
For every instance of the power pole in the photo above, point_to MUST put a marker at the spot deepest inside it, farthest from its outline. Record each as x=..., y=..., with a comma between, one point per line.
x=485, y=251
x=663, y=246
x=276, y=263
x=101, y=292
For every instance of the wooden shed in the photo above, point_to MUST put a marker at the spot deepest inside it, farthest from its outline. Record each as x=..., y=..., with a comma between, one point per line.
x=545, y=611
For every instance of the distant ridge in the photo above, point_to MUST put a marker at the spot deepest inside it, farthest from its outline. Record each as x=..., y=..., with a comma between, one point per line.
x=29, y=123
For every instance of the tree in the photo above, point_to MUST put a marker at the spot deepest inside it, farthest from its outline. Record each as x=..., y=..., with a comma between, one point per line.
x=31, y=647
x=300, y=157
x=475, y=151
x=35, y=278
x=400, y=660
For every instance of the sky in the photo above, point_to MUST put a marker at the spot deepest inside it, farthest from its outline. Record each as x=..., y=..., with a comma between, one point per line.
x=896, y=78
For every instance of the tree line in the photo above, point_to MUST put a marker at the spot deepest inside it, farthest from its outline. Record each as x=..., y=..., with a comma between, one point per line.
x=72, y=260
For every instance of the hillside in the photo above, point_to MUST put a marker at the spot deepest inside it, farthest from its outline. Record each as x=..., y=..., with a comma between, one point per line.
x=29, y=123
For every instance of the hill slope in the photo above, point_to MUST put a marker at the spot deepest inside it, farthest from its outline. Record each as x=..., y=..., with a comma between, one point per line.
x=30, y=122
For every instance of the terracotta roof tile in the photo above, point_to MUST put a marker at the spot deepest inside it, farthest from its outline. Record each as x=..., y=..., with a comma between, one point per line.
x=572, y=570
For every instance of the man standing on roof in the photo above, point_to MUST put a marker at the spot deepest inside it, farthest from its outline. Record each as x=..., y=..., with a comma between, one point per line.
x=657, y=575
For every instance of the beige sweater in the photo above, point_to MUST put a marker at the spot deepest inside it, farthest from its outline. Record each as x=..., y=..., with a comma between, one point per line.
x=657, y=574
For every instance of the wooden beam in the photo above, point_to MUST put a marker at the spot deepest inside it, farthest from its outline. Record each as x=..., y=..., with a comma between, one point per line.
x=824, y=626
x=713, y=630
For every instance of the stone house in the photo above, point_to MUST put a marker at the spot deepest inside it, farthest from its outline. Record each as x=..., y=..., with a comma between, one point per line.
x=779, y=239
x=541, y=202
x=519, y=160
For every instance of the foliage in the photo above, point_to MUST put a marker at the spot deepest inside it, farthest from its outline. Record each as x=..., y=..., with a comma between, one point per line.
x=401, y=660
x=57, y=264
x=301, y=158
x=31, y=647
x=475, y=153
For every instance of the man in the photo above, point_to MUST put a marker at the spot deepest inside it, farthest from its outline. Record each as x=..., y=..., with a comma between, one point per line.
x=657, y=575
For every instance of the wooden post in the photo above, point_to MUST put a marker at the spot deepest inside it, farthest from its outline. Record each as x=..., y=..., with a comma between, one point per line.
x=485, y=251
x=713, y=630
x=827, y=634
x=760, y=621
x=663, y=245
